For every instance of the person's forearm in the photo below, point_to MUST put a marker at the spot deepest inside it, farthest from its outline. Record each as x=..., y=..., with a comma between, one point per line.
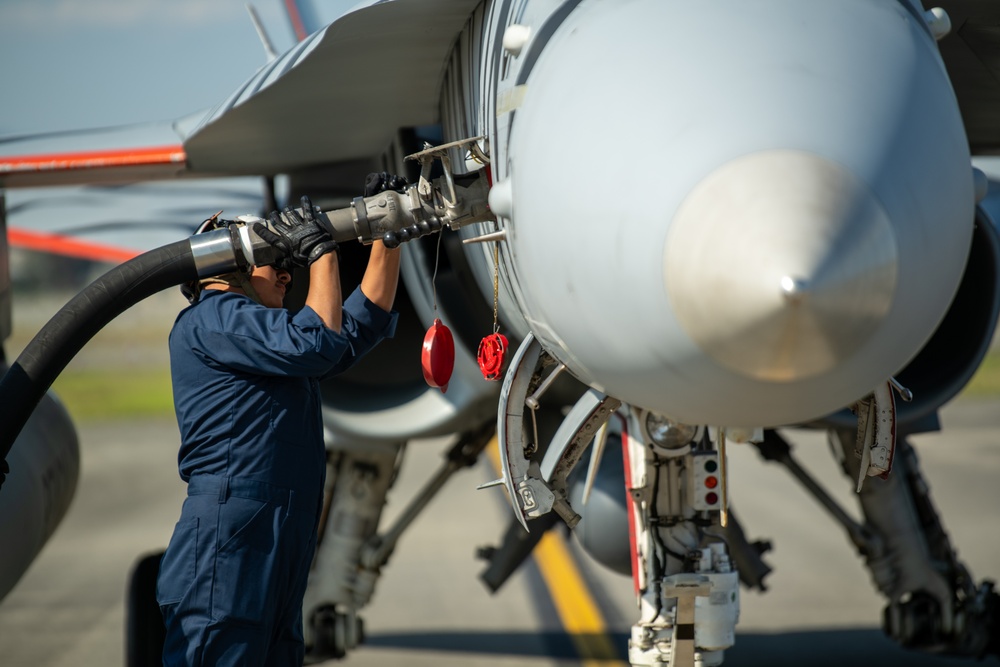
x=324, y=295
x=381, y=276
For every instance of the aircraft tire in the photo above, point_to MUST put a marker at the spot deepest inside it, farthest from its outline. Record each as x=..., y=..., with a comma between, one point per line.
x=144, y=631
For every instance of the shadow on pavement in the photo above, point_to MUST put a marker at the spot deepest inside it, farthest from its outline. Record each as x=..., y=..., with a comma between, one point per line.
x=850, y=647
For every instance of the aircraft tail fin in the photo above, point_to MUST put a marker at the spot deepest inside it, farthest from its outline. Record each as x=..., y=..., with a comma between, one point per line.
x=302, y=18
x=308, y=16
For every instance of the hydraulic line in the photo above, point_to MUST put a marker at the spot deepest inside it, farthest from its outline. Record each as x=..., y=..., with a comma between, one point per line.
x=776, y=448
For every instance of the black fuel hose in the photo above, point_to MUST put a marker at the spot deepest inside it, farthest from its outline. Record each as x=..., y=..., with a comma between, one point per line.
x=48, y=353
x=213, y=253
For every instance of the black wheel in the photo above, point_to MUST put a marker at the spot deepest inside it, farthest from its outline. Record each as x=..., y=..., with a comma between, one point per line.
x=334, y=633
x=144, y=631
x=328, y=634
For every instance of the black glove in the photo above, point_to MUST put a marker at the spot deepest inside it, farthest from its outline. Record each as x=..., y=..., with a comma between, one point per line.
x=302, y=240
x=382, y=181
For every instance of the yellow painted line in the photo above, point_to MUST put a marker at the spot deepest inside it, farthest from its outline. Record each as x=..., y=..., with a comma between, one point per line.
x=577, y=610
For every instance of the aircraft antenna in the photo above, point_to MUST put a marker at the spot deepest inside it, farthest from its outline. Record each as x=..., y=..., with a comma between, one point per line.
x=264, y=39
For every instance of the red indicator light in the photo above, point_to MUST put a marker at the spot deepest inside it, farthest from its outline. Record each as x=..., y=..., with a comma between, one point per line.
x=711, y=498
x=711, y=481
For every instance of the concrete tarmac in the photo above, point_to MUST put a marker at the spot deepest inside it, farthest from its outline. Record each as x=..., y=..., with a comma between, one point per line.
x=430, y=608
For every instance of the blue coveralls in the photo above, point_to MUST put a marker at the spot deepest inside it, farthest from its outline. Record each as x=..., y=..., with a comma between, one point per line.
x=246, y=392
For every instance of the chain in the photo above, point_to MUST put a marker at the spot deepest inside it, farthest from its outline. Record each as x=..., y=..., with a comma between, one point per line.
x=496, y=286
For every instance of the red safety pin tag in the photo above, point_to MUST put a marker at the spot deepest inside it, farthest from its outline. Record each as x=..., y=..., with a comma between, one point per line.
x=492, y=351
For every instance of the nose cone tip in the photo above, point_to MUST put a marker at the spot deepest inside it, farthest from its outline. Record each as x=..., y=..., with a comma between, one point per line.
x=795, y=290
x=780, y=265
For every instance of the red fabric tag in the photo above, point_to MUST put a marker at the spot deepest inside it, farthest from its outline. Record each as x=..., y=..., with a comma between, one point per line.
x=492, y=351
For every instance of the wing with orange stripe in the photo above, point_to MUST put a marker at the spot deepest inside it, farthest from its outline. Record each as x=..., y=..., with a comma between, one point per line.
x=69, y=246
x=111, y=155
x=112, y=223
x=300, y=112
x=118, y=192
x=91, y=166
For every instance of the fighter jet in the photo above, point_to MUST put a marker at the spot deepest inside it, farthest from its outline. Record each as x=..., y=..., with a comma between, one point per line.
x=670, y=226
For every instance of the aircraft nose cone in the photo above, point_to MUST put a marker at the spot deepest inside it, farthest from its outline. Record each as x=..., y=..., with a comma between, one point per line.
x=752, y=222
x=780, y=265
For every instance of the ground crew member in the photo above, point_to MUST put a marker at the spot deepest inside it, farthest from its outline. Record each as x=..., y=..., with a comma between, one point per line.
x=246, y=378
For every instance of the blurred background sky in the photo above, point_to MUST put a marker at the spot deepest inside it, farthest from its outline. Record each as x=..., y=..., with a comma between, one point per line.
x=72, y=64
x=78, y=65
x=69, y=65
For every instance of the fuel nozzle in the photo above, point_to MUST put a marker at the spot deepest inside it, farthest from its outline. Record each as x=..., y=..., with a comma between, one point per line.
x=392, y=217
x=427, y=206
x=423, y=208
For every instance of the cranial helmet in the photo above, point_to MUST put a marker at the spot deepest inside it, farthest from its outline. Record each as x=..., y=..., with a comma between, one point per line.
x=239, y=278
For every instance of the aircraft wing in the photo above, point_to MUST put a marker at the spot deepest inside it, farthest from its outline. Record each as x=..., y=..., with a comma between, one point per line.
x=374, y=86
x=115, y=222
x=119, y=191
x=145, y=151
x=111, y=201
x=339, y=95
x=280, y=120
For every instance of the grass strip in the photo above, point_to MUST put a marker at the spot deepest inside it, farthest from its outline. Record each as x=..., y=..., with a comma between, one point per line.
x=108, y=393
x=986, y=382
x=112, y=393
